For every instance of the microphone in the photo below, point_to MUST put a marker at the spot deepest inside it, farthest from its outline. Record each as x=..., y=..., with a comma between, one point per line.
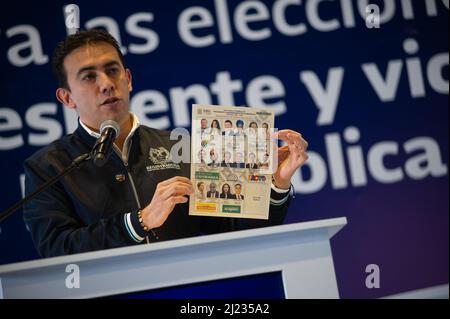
x=109, y=130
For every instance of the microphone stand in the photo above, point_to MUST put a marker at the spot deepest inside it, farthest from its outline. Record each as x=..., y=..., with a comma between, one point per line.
x=75, y=164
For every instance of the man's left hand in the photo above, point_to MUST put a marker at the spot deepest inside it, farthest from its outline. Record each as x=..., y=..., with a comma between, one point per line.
x=290, y=157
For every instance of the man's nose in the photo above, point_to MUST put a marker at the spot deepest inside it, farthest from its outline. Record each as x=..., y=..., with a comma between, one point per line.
x=105, y=84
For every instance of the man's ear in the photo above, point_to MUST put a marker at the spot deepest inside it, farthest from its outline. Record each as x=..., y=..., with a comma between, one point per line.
x=129, y=78
x=64, y=96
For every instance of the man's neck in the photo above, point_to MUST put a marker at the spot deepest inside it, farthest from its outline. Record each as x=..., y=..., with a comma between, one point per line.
x=125, y=129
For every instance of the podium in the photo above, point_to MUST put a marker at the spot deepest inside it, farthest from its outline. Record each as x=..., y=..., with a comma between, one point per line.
x=301, y=251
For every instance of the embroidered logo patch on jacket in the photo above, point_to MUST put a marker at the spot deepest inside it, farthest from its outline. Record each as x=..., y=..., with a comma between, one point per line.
x=161, y=159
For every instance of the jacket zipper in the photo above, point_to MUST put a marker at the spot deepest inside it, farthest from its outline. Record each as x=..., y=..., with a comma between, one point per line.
x=136, y=197
x=155, y=235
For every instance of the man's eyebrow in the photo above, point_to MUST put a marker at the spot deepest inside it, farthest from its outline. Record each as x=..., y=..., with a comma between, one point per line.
x=93, y=67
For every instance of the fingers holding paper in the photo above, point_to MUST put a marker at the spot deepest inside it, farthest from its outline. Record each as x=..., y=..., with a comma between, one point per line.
x=290, y=157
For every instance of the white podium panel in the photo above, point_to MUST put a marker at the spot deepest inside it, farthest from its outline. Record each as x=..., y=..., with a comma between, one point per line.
x=300, y=251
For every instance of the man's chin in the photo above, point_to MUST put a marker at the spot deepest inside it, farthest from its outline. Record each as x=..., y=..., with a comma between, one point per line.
x=118, y=115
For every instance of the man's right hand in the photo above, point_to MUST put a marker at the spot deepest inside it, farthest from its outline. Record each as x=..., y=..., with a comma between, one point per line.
x=168, y=193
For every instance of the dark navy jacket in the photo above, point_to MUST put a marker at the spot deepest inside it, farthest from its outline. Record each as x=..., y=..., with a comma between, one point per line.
x=88, y=209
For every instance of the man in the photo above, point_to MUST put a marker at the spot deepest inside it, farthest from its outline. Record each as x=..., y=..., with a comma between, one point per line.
x=264, y=164
x=240, y=128
x=237, y=192
x=204, y=130
x=213, y=192
x=227, y=160
x=228, y=128
x=213, y=159
x=239, y=163
x=201, y=155
x=133, y=198
x=251, y=161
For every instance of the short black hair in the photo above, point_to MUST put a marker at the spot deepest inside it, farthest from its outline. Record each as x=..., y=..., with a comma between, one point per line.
x=75, y=41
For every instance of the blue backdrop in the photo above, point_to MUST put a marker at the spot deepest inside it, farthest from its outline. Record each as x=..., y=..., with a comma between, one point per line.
x=372, y=102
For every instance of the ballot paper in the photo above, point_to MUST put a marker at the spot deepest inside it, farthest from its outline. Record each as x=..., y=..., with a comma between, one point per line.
x=232, y=161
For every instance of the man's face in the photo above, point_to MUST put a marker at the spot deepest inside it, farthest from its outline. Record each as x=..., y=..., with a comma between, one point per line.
x=99, y=85
x=228, y=125
x=212, y=187
x=237, y=189
x=203, y=123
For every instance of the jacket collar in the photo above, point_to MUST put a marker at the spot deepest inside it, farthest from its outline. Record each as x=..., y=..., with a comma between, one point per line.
x=90, y=137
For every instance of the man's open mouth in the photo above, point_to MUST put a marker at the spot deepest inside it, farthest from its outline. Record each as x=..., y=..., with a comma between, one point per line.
x=110, y=100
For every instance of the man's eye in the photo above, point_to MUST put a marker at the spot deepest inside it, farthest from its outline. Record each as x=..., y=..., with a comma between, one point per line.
x=89, y=77
x=113, y=71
